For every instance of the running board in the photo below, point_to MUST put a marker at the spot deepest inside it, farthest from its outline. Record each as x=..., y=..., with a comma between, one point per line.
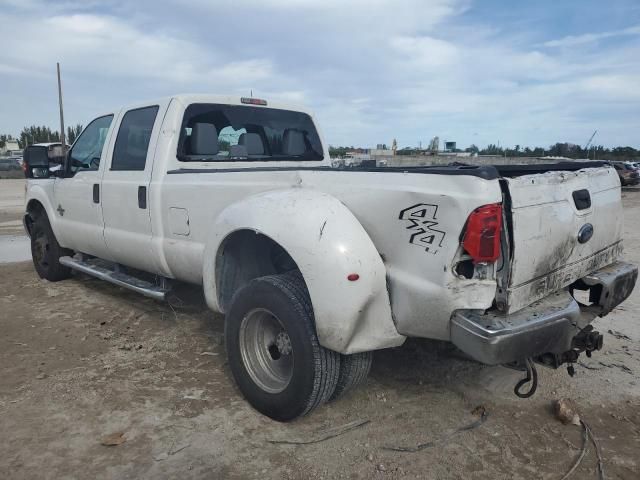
x=111, y=273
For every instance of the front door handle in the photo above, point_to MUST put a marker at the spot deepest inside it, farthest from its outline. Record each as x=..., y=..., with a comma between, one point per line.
x=96, y=193
x=142, y=196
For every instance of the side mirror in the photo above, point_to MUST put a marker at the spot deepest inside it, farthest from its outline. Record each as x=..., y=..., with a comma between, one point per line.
x=36, y=161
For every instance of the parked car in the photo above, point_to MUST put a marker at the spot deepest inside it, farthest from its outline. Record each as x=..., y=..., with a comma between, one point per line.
x=316, y=267
x=9, y=163
x=628, y=173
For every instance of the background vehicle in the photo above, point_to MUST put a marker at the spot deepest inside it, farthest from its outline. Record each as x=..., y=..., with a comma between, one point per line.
x=315, y=267
x=9, y=163
x=627, y=172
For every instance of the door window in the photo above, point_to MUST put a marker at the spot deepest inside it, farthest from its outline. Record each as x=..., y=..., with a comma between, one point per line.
x=87, y=149
x=132, y=142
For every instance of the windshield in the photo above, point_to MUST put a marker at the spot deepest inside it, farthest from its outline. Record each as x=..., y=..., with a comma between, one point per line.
x=212, y=132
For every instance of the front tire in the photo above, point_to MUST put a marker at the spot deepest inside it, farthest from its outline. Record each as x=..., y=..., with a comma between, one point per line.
x=273, y=350
x=46, y=251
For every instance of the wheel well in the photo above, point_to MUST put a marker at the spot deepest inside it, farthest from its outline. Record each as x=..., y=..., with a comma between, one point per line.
x=34, y=209
x=243, y=256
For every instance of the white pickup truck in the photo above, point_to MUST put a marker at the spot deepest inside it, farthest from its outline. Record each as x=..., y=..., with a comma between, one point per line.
x=315, y=267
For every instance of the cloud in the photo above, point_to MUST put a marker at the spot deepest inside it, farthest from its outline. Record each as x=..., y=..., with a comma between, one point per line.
x=371, y=69
x=574, y=40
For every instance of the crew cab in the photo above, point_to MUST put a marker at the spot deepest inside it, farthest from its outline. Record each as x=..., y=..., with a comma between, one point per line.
x=315, y=267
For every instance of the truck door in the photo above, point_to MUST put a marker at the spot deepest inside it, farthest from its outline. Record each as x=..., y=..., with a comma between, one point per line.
x=125, y=188
x=77, y=196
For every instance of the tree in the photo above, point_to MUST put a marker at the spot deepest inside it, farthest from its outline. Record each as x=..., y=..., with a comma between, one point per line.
x=73, y=133
x=472, y=149
x=37, y=134
x=337, y=152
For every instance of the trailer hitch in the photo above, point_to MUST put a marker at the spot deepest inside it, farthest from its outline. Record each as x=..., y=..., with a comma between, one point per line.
x=587, y=340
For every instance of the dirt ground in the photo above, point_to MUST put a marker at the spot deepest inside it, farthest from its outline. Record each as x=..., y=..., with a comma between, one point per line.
x=82, y=359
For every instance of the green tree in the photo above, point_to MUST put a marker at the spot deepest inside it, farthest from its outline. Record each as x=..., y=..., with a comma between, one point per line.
x=37, y=134
x=73, y=133
x=472, y=149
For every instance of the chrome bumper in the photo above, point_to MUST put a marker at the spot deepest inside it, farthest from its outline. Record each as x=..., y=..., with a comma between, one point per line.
x=546, y=326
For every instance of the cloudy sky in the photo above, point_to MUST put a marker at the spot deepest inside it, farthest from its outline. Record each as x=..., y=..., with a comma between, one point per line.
x=475, y=71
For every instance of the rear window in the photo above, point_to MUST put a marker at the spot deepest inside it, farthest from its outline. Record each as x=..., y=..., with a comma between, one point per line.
x=212, y=132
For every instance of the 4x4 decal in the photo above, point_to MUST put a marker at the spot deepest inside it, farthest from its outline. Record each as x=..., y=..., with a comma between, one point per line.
x=422, y=220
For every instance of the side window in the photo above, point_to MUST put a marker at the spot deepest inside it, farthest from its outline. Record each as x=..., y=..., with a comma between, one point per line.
x=132, y=142
x=86, y=151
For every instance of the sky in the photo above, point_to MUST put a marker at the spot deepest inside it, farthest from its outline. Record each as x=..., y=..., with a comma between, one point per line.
x=518, y=72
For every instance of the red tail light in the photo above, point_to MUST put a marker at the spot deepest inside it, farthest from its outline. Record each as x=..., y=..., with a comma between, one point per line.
x=482, y=235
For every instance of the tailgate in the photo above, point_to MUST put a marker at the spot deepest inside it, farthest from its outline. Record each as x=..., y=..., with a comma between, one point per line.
x=552, y=215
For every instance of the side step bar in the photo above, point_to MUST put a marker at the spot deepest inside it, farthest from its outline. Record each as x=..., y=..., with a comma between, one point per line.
x=111, y=273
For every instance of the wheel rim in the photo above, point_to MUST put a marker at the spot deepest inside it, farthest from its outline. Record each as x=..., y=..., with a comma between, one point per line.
x=41, y=250
x=266, y=350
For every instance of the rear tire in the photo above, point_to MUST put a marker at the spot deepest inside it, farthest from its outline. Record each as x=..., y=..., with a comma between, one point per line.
x=353, y=372
x=273, y=350
x=46, y=251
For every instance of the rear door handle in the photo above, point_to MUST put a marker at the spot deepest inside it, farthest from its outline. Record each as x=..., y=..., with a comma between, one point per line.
x=142, y=196
x=96, y=193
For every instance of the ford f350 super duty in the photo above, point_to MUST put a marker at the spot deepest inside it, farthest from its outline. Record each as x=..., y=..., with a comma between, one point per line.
x=315, y=267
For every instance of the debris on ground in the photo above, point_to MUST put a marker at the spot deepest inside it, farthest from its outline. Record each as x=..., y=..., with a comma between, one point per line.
x=619, y=335
x=583, y=451
x=621, y=366
x=165, y=455
x=325, y=434
x=598, y=451
x=113, y=439
x=480, y=411
x=566, y=411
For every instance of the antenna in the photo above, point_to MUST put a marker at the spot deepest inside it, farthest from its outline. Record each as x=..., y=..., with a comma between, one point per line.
x=62, y=139
x=251, y=93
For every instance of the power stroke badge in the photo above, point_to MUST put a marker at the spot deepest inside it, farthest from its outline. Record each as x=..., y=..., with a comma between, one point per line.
x=421, y=222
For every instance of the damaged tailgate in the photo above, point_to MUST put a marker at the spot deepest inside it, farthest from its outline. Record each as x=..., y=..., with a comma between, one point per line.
x=564, y=225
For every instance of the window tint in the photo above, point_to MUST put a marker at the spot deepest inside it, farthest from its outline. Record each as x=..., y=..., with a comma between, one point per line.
x=132, y=142
x=87, y=149
x=212, y=132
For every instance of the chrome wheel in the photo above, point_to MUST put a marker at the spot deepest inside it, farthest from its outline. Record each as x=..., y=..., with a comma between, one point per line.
x=266, y=351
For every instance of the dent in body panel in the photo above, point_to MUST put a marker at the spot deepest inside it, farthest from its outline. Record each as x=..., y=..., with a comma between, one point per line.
x=327, y=243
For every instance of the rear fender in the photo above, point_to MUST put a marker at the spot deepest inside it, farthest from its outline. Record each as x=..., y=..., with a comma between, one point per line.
x=328, y=244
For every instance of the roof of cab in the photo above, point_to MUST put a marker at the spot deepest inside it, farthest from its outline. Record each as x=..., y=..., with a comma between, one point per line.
x=189, y=98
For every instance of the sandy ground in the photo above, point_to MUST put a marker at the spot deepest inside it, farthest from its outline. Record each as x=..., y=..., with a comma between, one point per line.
x=81, y=359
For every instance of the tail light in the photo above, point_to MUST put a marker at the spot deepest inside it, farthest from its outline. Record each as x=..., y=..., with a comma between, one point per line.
x=482, y=235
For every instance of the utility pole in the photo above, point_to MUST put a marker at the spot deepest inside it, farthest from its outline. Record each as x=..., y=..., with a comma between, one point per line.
x=61, y=114
x=586, y=147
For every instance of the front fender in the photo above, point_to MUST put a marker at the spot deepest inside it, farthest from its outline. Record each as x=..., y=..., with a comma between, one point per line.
x=42, y=191
x=328, y=243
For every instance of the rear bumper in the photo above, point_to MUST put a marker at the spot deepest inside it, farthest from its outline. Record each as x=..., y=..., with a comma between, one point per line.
x=546, y=326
